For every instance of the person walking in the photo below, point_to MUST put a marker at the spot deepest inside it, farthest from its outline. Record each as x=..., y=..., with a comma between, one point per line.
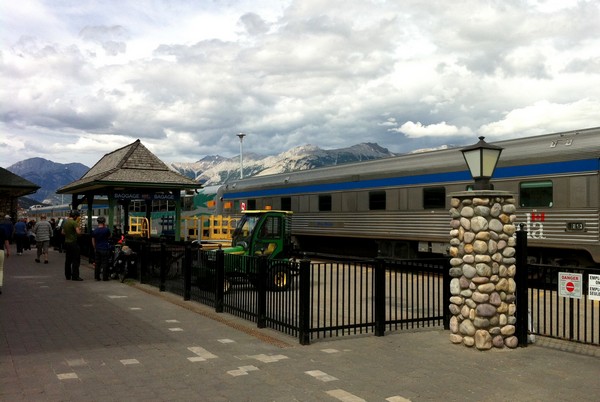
x=100, y=242
x=43, y=234
x=21, y=235
x=30, y=234
x=71, y=231
x=8, y=227
x=4, y=252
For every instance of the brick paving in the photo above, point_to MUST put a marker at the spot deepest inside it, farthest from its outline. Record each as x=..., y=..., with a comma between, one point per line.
x=107, y=341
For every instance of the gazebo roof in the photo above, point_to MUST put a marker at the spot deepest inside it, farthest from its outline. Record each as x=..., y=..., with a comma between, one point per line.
x=132, y=167
x=14, y=185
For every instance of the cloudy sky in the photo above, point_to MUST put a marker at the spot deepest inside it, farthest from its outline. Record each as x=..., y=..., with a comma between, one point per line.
x=81, y=78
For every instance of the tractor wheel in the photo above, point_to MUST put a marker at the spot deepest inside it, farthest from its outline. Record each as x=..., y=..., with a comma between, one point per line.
x=279, y=278
x=226, y=286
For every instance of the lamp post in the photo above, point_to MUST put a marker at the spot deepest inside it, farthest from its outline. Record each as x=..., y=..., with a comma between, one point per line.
x=482, y=158
x=241, y=137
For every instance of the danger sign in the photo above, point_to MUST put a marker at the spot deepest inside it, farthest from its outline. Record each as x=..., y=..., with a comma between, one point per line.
x=594, y=287
x=569, y=285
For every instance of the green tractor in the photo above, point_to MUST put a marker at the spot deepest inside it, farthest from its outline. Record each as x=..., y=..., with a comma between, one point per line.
x=260, y=233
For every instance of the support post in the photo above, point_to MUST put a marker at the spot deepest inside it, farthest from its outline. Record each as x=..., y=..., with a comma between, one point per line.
x=220, y=280
x=261, y=301
x=522, y=312
x=446, y=296
x=379, y=296
x=483, y=287
x=304, y=300
x=163, y=266
x=187, y=272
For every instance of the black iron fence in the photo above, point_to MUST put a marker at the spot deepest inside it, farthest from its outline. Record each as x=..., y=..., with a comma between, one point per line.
x=554, y=301
x=305, y=299
x=319, y=299
x=560, y=305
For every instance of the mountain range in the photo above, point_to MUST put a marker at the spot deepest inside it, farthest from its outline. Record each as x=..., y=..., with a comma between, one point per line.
x=210, y=170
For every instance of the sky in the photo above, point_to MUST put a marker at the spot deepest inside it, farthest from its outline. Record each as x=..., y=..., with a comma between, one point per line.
x=80, y=79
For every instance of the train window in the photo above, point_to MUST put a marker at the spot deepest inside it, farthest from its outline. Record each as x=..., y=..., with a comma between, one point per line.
x=325, y=203
x=536, y=194
x=286, y=203
x=434, y=197
x=376, y=200
x=251, y=205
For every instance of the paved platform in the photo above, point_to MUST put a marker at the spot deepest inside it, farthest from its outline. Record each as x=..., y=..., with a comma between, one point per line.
x=107, y=341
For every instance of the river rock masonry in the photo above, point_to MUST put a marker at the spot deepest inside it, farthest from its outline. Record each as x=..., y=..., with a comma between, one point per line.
x=482, y=288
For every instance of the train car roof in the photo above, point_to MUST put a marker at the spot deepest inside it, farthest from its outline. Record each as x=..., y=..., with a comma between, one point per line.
x=564, y=146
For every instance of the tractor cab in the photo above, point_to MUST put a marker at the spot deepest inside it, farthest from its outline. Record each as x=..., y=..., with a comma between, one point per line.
x=263, y=232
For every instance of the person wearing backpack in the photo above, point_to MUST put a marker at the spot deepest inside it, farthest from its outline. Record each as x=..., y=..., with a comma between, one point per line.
x=43, y=234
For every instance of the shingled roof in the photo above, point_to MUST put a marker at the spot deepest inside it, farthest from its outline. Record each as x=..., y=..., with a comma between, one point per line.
x=132, y=166
x=13, y=185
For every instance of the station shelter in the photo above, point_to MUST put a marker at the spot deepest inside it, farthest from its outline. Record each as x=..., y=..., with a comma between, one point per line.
x=12, y=187
x=131, y=173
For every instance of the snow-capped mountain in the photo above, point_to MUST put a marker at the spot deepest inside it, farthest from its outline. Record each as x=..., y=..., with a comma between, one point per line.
x=210, y=170
x=213, y=170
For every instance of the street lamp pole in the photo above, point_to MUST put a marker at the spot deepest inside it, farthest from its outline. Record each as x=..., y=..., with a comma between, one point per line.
x=241, y=137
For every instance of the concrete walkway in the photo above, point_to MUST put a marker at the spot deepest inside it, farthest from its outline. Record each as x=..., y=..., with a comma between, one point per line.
x=106, y=341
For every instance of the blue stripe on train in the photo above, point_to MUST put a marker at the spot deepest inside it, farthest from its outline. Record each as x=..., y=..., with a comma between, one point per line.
x=578, y=166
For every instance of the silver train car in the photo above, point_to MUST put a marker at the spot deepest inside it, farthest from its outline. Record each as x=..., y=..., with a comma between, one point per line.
x=399, y=206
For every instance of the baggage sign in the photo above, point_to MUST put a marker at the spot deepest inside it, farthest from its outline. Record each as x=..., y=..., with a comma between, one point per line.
x=569, y=285
x=594, y=287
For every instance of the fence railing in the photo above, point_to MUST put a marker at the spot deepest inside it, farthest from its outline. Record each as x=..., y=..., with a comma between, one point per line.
x=566, y=313
x=324, y=299
x=312, y=299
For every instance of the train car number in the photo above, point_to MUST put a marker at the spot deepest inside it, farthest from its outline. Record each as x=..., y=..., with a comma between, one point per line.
x=575, y=226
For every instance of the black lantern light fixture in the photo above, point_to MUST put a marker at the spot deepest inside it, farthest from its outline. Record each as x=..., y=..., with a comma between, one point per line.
x=482, y=159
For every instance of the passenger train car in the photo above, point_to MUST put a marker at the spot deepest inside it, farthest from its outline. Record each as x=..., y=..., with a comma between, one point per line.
x=62, y=211
x=399, y=206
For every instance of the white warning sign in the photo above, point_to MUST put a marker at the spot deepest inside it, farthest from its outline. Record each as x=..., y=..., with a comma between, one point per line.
x=594, y=287
x=569, y=285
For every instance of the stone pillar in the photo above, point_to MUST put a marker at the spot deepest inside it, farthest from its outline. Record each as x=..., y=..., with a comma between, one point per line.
x=482, y=288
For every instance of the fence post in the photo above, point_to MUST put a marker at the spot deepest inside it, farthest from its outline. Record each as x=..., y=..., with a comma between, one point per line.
x=143, y=260
x=187, y=272
x=379, y=296
x=446, y=295
x=522, y=312
x=261, y=301
x=220, y=280
x=304, y=300
x=163, y=265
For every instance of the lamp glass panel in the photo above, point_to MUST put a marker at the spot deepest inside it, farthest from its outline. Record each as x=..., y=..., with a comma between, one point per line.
x=473, y=162
x=490, y=158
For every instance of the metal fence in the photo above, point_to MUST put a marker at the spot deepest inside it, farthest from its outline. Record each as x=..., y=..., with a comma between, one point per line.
x=319, y=299
x=567, y=312
x=337, y=298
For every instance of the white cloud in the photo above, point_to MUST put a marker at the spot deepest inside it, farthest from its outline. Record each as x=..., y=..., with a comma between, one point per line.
x=543, y=117
x=185, y=76
x=417, y=130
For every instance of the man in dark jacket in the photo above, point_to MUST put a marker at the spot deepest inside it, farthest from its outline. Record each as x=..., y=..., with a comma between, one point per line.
x=100, y=242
